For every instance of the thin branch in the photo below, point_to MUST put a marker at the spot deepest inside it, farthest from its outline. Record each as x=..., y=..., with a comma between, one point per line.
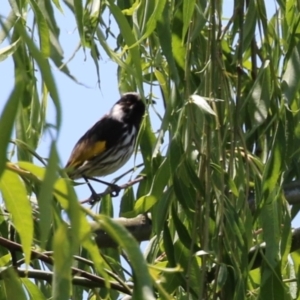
x=99, y=281
x=48, y=276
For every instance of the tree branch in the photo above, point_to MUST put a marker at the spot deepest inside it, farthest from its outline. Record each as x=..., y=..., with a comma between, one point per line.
x=94, y=279
x=140, y=227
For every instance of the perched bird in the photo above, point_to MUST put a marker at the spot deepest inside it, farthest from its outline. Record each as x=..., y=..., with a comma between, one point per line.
x=109, y=143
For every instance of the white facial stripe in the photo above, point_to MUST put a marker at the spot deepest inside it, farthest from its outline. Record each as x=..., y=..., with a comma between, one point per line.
x=117, y=112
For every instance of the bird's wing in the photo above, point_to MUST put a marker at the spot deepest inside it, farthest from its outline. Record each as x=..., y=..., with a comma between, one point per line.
x=102, y=136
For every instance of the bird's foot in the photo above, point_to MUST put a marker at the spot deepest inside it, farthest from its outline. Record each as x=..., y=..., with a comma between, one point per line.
x=94, y=198
x=114, y=190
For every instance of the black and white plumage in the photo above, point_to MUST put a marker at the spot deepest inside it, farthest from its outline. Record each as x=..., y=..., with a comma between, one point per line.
x=110, y=142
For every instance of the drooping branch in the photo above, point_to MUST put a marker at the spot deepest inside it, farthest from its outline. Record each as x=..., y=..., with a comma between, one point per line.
x=140, y=227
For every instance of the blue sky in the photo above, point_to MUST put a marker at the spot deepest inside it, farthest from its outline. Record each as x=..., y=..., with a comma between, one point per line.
x=82, y=106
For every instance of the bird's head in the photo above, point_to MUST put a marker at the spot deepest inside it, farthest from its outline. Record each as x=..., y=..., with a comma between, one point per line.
x=129, y=109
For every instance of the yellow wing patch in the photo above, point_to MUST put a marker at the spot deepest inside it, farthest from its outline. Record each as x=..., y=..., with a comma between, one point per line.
x=96, y=149
x=83, y=152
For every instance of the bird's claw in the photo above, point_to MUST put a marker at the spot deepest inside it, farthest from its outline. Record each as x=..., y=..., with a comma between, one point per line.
x=115, y=190
x=94, y=198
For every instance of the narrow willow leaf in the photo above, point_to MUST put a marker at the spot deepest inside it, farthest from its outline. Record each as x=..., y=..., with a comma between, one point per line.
x=99, y=263
x=66, y=196
x=127, y=201
x=32, y=289
x=7, y=119
x=290, y=82
x=222, y=276
x=142, y=205
x=7, y=51
x=151, y=22
x=249, y=26
x=182, y=231
x=295, y=256
x=164, y=33
x=45, y=70
x=57, y=4
x=7, y=25
x=161, y=178
x=259, y=96
x=189, y=264
x=106, y=207
x=44, y=32
x=12, y=285
x=37, y=119
x=179, y=51
x=78, y=9
x=15, y=198
x=142, y=279
x=161, y=209
x=63, y=258
x=111, y=54
x=146, y=140
x=271, y=286
x=37, y=171
x=80, y=229
x=202, y=104
x=45, y=196
x=188, y=10
x=130, y=40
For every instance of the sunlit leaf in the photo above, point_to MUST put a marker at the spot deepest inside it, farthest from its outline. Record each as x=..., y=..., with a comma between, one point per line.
x=202, y=104
x=17, y=203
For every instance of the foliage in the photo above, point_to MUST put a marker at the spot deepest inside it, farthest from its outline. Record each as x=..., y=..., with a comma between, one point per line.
x=231, y=125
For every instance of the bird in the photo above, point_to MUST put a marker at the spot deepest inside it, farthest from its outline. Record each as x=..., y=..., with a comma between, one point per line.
x=108, y=144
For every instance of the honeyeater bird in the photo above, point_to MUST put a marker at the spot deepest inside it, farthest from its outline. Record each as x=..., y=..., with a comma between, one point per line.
x=109, y=143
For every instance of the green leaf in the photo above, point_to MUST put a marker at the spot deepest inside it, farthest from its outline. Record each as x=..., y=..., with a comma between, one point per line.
x=12, y=285
x=142, y=205
x=45, y=196
x=164, y=33
x=161, y=178
x=7, y=119
x=63, y=257
x=161, y=209
x=189, y=263
x=45, y=71
x=188, y=10
x=79, y=227
x=290, y=83
x=17, y=203
x=7, y=25
x=127, y=202
x=78, y=9
x=44, y=32
x=130, y=40
x=182, y=231
x=259, y=96
x=202, y=104
x=106, y=207
x=37, y=171
x=7, y=51
x=152, y=21
x=142, y=279
x=32, y=289
x=147, y=140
